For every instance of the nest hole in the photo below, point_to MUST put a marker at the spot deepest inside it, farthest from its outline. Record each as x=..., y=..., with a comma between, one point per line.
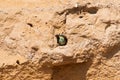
x=35, y=48
x=17, y=61
x=30, y=24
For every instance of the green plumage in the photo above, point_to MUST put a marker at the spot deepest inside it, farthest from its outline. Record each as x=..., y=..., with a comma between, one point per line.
x=61, y=40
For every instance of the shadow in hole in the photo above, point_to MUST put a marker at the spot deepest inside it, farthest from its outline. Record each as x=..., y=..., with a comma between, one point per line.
x=91, y=10
x=112, y=51
x=74, y=10
x=71, y=71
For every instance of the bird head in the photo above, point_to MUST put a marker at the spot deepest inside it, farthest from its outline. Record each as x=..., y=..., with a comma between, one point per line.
x=61, y=40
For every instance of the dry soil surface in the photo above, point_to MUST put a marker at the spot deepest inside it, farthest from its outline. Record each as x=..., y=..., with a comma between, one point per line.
x=29, y=49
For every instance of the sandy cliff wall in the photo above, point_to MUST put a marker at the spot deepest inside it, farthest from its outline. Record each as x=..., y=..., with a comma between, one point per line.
x=29, y=49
